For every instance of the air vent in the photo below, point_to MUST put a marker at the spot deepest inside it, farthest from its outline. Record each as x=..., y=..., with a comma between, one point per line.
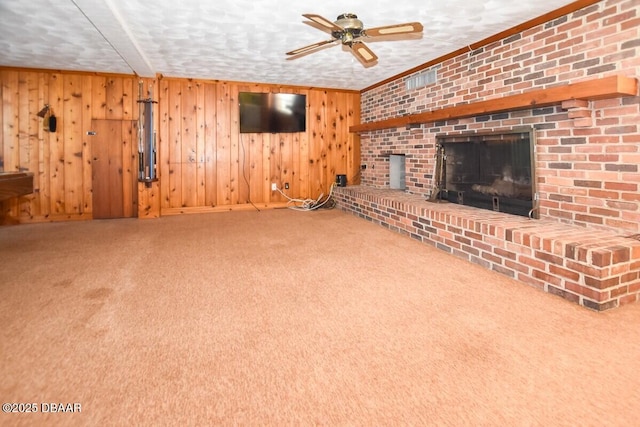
x=425, y=78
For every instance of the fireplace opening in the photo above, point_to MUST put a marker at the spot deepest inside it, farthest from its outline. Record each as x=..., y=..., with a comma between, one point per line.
x=491, y=171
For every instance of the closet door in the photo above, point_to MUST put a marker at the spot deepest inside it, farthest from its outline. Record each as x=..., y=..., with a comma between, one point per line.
x=113, y=175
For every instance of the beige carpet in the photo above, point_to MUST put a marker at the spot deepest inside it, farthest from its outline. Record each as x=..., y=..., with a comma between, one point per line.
x=283, y=317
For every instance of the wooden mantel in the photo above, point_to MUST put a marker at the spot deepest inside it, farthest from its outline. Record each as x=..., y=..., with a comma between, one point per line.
x=607, y=87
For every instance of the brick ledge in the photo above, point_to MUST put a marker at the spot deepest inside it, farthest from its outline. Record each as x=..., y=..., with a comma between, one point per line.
x=594, y=268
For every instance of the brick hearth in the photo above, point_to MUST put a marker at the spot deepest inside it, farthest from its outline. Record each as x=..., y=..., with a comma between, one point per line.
x=598, y=269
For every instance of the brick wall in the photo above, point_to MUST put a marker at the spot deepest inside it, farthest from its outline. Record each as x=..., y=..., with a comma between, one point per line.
x=587, y=155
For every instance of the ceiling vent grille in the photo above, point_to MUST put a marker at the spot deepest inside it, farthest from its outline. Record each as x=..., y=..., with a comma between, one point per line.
x=425, y=78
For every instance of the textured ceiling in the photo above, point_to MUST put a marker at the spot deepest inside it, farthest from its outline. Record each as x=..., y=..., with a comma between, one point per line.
x=242, y=40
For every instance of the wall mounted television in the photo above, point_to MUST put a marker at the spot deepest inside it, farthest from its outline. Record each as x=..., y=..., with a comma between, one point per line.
x=272, y=112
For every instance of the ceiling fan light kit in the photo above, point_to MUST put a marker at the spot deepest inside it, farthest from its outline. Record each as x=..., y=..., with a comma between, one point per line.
x=350, y=31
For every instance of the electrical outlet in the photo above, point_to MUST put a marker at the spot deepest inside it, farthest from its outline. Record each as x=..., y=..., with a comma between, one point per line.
x=274, y=186
x=286, y=185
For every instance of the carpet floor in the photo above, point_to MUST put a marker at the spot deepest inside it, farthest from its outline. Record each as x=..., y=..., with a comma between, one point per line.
x=285, y=317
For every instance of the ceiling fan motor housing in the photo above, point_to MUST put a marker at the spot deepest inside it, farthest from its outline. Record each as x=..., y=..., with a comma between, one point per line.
x=352, y=27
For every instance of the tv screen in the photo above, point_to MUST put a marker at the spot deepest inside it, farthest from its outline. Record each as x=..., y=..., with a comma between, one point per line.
x=272, y=112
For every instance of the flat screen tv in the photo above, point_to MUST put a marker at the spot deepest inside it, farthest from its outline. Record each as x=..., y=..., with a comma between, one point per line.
x=272, y=112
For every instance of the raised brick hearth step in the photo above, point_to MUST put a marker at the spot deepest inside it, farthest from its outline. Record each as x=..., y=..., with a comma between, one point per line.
x=594, y=268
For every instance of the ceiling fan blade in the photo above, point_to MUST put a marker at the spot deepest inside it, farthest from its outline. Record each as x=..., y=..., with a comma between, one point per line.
x=363, y=53
x=323, y=22
x=311, y=47
x=389, y=30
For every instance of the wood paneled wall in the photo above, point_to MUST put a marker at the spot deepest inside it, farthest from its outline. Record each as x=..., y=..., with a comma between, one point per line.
x=205, y=163
x=60, y=160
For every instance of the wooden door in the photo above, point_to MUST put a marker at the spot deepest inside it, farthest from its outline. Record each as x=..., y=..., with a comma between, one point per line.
x=113, y=169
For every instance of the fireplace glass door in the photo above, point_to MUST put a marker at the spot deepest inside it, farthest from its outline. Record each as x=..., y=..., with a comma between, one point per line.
x=490, y=171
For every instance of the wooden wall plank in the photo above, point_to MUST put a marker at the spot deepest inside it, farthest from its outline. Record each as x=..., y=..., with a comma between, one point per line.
x=353, y=145
x=42, y=183
x=234, y=148
x=114, y=98
x=244, y=169
x=129, y=169
x=10, y=119
x=250, y=184
x=332, y=156
x=294, y=180
x=11, y=127
x=303, y=181
x=243, y=182
x=24, y=102
x=254, y=169
x=286, y=155
x=210, y=146
x=56, y=143
x=115, y=181
x=200, y=145
x=164, y=142
x=223, y=151
x=189, y=145
x=129, y=99
x=341, y=136
x=72, y=143
x=148, y=200
x=175, y=144
x=25, y=149
x=293, y=173
x=87, y=102
x=275, y=161
x=99, y=98
x=203, y=160
x=265, y=138
x=3, y=89
x=316, y=130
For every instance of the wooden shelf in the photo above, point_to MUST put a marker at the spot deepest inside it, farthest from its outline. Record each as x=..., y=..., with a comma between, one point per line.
x=607, y=87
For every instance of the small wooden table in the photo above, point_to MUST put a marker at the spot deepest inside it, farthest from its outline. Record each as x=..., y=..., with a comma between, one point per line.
x=13, y=184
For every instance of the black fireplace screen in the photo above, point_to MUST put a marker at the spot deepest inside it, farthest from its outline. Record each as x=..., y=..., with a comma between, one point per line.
x=490, y=171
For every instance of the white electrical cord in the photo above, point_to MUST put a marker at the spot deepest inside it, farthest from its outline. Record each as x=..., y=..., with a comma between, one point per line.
x=307, y=204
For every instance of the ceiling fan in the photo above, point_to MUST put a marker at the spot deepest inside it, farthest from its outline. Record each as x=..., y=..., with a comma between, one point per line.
x=349, y=30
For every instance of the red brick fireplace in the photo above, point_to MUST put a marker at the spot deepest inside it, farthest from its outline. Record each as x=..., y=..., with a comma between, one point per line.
x=549, y=78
